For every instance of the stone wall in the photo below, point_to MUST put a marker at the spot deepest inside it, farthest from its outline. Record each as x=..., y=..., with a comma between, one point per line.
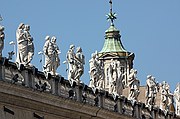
x=27, y=94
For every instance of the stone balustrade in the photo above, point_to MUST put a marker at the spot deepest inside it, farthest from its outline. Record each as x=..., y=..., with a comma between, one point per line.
x=30, y=77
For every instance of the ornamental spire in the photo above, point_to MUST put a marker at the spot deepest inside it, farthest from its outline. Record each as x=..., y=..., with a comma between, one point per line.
x=111, y=16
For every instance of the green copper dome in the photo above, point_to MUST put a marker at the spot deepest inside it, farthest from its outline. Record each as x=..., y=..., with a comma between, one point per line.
x=112, y=41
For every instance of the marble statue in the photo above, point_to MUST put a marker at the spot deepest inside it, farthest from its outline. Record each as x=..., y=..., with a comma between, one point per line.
x=70, y=60
x=79, y=63
x=2, y=36
x=133, y=84
x=116, y=77
x=30, y=43
x=121, y=78
x=113, y=75
x=151, y=91
x=51, y=52
x=47, y=51
x=76, y=63
x=166, y=102
x=56, y=59
x=25, y=45
x=177, y=99
x=96, y=72
x=21, y=44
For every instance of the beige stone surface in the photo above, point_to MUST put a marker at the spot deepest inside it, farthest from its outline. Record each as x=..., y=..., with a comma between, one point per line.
x=25, y=101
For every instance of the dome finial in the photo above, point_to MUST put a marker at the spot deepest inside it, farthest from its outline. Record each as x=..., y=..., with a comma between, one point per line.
x=111, y=16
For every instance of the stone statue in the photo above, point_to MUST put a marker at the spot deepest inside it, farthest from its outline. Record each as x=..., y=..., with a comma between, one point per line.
x=113, y=75
x=75, y=64
x=25, y=45
x=2, y=36
x=21, y=44
x=79, y=62
x=71, y=61
x=166, y=97
x=96, y=72
x=177, y=98
x=121, y=78
x=93, y=71
x=51, y=52
x=47, y=53
x=56, y=52
x=133, y=84
x=151, y=91
x=30, y=43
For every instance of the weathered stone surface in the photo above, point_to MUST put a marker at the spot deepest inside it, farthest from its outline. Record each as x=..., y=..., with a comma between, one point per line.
x=20, y=99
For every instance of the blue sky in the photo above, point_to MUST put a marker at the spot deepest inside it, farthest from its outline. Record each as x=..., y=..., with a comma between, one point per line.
x=150, y=29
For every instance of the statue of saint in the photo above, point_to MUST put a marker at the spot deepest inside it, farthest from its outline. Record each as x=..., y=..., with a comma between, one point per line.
x=93, y=71
x=166, y=97
x=177, y=98
x=25, y=45
x=120, y=78
x=96, y=72
x=151, y=91
x=133, y=84
x=71, y=61
x=113, y=75
x=51, y=52
x=22, y=44
x=2, y=36
x=30, y=43
x=80, y=61
x=76, y=63
x=47, y=51
x=55, y=58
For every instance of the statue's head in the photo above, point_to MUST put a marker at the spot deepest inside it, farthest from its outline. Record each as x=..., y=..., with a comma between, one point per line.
x=72, y=47
x=177, y=90
x=135, y=71
x=26, y=27
x=78, y=49
x=93, y=55
x=53, y=39
x=1, y=28
x=132, y=70
x=47, y=38
x=21, y=26
x=149, y=76
x=153, y=78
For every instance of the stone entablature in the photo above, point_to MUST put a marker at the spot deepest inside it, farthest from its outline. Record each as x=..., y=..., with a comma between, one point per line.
x=28, y=89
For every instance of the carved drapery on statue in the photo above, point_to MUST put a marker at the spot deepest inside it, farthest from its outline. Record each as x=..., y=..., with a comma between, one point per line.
x=133, y=84
x=96, y=72
x=75, y=63
x=51, y=52
x=25, y=46
x=177, y=98
x=151, y=91
x=2, y=37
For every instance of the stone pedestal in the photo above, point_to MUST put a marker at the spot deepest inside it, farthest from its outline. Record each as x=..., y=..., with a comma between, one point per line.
x=54, y=85
x=78, y=90
x=2, y=72
x=2, y=69
x=120, y=105
x=101, y=98
x=137, y=111
x=153, y=114
x=26, y=77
